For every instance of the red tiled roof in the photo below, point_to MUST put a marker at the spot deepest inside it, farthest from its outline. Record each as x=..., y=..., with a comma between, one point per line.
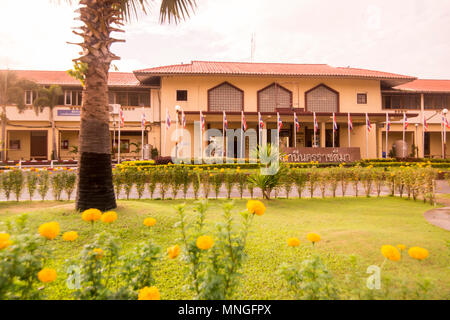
x=270, y=69
x=119, y=79
x=425, y=85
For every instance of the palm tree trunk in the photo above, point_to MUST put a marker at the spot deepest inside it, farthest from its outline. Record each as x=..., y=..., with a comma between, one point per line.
x=95, y=185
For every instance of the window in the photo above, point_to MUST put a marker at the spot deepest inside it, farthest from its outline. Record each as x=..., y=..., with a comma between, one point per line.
x=401, y=101
x=436, y=101
x=29, y=97
x=361, y=98
x=322, y=99
x=14, y=144
x=182, y=95
x=64, y=144
x=72, y=98
x=273, y=97
x=144, y=99
x=124, y=145
x=225, y=97
x=131, y=99
x=111, y=97
x=122, y=98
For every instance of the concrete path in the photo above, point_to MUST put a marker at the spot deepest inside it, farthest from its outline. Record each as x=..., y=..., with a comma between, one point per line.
x=439, y=217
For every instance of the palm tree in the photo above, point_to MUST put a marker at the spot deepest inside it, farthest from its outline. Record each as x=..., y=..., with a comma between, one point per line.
x=48, y=97
x=12, y=92
x=100, y=18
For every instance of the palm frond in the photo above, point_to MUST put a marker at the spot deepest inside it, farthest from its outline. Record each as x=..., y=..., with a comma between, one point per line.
x=176, y=10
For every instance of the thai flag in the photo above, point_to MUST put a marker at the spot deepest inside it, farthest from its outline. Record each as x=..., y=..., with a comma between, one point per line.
x=368, y=124
x=183, y=119
x=297, y=124
x=425, y=124
x=280, y=123
x=405, y=121
x=143, y=120
x=244, y=123
x=167, y=119
x=260, y=121
x=335, y=126
x=388, y=122
x=202, y=121
x=225, y=121
x=122, y=118
x=350, y=123
x=445, y=122
x=316, y=125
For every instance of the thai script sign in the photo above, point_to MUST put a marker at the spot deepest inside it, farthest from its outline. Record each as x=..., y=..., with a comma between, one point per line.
x=322, y=155
x=68, y=112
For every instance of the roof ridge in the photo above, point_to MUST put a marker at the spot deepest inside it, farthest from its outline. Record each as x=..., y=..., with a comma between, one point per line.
x=168, y=66
x=249, y=62
x=372, y=70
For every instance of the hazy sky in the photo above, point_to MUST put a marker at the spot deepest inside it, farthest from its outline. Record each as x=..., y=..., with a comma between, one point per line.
x=403, y=36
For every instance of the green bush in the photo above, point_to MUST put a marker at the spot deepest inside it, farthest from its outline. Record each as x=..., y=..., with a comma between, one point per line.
x=32, y=183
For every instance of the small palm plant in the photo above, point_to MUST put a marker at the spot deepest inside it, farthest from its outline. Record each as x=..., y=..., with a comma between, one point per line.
x=269, y=176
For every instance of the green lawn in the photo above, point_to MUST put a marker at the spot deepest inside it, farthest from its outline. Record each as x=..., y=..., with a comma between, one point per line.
x=352, y=232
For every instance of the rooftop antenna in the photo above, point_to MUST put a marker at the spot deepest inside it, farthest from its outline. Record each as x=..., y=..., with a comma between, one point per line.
x=253, y=47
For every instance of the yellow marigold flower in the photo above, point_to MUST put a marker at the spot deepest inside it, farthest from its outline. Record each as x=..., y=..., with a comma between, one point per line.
x=401, y=247
x=390, y=252
x=4, y=240
x=47, y=275
x=204, y=242
x=313, y=237
x=98, y=252
x=70, y=236
x=91, y=215
x=222, y=170
x=149, y=222
x=256, y=207
x=173, y=251
x=293, y=242
x=418, y=253
x=109, y=216
x=149, y=293
x=49, y=230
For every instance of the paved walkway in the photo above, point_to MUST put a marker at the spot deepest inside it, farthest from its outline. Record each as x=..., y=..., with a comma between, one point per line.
x=439, y=217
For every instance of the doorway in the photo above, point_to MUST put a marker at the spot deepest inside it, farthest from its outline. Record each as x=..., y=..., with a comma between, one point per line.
x=38, y=145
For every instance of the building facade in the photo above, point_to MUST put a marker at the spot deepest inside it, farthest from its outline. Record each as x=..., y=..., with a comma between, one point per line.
x=250, y=88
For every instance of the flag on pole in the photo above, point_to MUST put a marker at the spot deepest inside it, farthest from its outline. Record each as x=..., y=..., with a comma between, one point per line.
x=244, y=123
x=335, y=126
x=425, y=124
x=260, y=121
x=280, y=123
x=202, y=121
x=297, y=124
x=388, y=122
x=225, y=121
x=405, y=121
x=167, y=120
x=368, y=124
x=350, y=123
x=183, y=119
x=143, y=121
x=316, y=125
x=445, y=122
x=122, y=118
